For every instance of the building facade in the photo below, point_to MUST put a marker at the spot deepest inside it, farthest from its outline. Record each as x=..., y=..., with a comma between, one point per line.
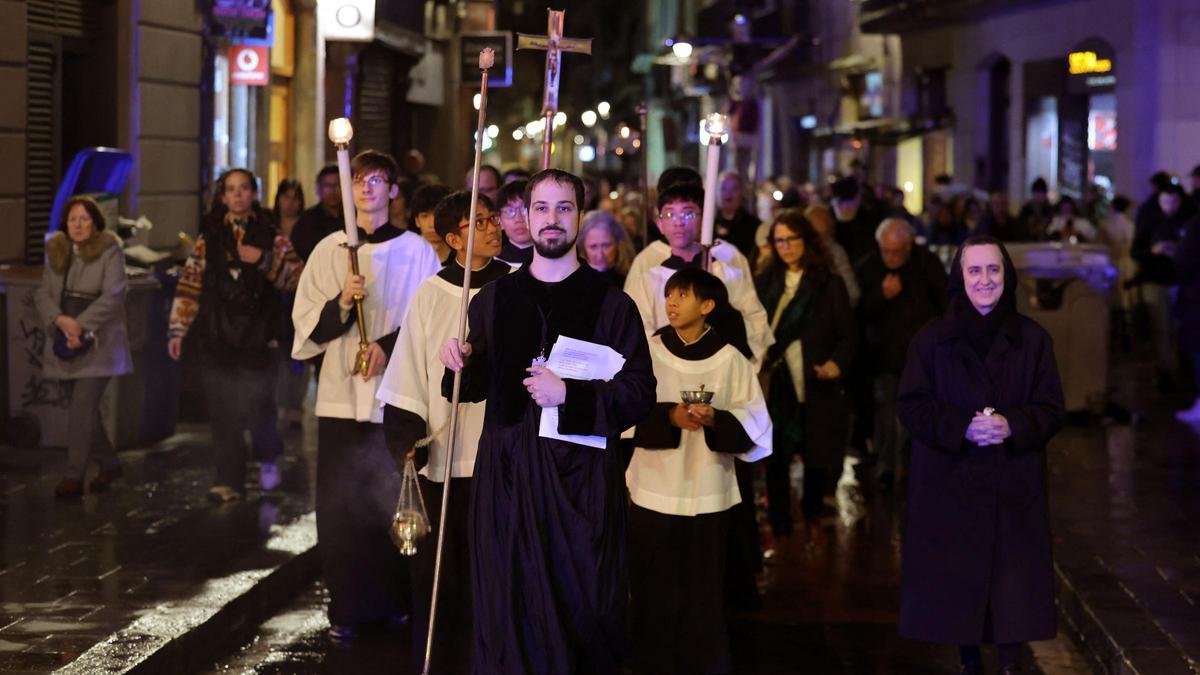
x=192, y=88
x=1076, y=91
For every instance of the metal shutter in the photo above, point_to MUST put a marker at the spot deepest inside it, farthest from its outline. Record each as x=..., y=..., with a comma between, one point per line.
x=373, y=129
x=57, y=17
x=41, y=140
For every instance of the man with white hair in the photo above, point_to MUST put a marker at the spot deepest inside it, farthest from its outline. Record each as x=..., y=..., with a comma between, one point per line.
x=903, y=287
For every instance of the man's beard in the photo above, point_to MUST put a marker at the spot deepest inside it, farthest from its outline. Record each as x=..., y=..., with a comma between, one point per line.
x=553, y=251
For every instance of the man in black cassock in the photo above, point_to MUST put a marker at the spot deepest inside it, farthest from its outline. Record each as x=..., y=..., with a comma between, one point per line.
x=548, y=516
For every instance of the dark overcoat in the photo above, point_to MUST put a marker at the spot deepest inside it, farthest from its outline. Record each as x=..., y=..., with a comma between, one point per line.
x=1187, y=308
x=820, y=317
x=976, y=553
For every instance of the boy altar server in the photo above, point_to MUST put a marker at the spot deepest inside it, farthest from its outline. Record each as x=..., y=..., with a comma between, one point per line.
x=357, y=480
x=682, y=484
x=679, y=211
x=415, y=410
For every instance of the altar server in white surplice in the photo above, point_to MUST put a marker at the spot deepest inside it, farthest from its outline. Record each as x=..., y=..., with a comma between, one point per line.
x=683, y=485
x=679, y=210
x=416, y=414
x=358, y=483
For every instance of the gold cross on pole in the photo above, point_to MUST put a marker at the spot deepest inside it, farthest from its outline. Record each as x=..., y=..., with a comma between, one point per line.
x=554, y=44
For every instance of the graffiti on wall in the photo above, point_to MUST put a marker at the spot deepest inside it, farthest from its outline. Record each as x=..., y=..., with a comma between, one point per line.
x=31, y=337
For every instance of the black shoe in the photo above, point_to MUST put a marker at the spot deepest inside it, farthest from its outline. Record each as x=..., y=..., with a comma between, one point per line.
x=1012, y=669
x=342, y=632
x=975, y=668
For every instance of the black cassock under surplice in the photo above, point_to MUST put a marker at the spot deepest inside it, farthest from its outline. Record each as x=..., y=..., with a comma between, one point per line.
x=548, y=516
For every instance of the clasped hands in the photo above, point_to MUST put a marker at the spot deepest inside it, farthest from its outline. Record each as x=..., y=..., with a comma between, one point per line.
x=988, y=429
x=71, y=329
x=693, y=417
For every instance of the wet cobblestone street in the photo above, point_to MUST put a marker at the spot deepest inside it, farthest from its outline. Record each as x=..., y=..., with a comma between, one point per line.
x=124, y=575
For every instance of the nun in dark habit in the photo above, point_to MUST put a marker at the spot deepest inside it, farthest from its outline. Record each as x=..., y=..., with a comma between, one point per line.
x=981, y=396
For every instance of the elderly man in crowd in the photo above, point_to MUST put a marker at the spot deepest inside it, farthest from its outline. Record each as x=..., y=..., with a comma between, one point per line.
x=903, y=287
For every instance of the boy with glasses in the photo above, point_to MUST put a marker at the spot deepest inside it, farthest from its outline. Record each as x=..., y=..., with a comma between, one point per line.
x=357, y=481
x=514, y=219
x=679, y=212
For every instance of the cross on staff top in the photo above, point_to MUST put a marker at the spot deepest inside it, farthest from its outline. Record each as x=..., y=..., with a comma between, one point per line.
x=554, y=44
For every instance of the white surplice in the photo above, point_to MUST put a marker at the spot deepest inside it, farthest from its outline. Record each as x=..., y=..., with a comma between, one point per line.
x=393, y=270
x=692, y=479
x=413, y=379
x=648, y=278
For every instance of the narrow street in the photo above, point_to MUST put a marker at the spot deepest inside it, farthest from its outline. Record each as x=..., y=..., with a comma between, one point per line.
x=151, y=576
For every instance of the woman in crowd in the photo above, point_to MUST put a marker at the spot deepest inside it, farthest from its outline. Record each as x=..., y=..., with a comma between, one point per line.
x=229, y=291
x=815, y=338
x=981, y=397
x=1068, y=225
x=81, y=300
x=293, y=375
x=604, y=245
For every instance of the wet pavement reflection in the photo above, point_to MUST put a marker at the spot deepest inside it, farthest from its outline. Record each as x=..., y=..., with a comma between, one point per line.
x=829, y=607
x=1124, y=501
x=74, y=572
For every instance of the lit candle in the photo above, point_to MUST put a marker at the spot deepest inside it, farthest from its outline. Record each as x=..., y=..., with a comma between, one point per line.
x=340, y=132
x=714, y=127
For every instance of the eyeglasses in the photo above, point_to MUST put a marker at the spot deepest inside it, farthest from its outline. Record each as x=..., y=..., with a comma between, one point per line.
x=481, y=224
x=788, y=242
x=372, y=182
x=685, y=218
x=514, y=211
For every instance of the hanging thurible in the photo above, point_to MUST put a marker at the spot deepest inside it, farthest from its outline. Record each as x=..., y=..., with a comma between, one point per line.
x=410, y=521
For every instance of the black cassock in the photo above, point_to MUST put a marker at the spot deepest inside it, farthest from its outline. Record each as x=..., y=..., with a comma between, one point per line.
x=977, y=563
x=549, y=565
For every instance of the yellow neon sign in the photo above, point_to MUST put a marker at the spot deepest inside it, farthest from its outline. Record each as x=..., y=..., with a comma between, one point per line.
x=1082, y=63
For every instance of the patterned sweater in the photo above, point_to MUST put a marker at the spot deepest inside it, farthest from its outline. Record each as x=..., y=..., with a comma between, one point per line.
x=281, y=265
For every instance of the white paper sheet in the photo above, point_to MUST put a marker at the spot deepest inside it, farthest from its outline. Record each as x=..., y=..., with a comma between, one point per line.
x=573, y=359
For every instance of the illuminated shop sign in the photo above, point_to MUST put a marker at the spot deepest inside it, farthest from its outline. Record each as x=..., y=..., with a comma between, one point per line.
x=1082, y=63
x=1090, y=66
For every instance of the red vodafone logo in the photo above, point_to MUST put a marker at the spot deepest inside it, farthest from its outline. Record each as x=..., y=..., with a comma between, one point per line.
x=249, y=65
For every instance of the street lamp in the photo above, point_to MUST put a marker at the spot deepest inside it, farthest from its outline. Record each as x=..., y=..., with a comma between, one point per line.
x=589, y=118
x=682, y=50
x=603, y=108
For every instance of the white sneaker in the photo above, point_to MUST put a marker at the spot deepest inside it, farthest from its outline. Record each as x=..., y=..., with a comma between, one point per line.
x=268, y=476
x=1192, y=414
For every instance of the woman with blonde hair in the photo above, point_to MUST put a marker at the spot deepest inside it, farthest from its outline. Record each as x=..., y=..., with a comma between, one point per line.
x=82, y=300
x=604, y=245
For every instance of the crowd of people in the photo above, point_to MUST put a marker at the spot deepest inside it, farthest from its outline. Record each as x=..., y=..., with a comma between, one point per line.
x=821, y=321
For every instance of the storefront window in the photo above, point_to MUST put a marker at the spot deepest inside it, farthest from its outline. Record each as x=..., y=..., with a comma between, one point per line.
x=1041, y=143
x=1102, y=139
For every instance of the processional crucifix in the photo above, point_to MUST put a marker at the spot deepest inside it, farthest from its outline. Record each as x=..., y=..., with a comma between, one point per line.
x=554, y=44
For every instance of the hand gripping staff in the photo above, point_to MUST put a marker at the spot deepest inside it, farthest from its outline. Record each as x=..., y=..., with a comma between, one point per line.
x=340, y=133
x=487, y=59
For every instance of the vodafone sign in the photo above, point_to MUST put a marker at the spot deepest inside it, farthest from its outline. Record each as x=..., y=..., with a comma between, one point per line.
x=249, y=65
